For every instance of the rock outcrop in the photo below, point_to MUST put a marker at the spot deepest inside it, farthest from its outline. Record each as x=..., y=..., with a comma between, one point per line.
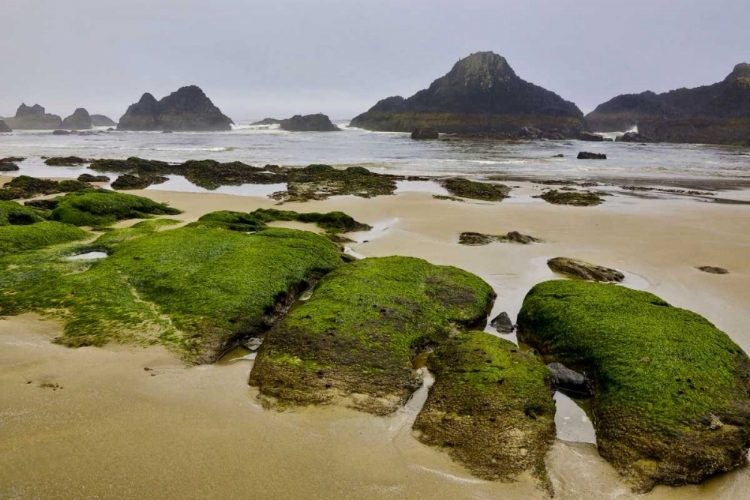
x=79, y=120
x=584, y=270
x=424, y=134
x=634, y=137
x=718, y=113
x=102, y=121
x=309, y=123
x=268, y=121
x=33, y=118
x=481, y=96
x=187, y=109
x=4, y=128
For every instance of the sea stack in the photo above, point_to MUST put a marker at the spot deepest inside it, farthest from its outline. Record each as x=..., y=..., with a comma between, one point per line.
x=480, y=96
x=699, y=114
x=309, y=123
x=187, y=109
x=34, y=118
x=4, y=128
x=102, y=121
x=79, y=120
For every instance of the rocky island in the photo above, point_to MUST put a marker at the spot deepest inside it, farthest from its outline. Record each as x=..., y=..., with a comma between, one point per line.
x=4, y=128
x=480, y=96
x=102, y=121
x=309, y=123
x=33, y=118
x=187, y=109
x=79, y=120
x=717, y=114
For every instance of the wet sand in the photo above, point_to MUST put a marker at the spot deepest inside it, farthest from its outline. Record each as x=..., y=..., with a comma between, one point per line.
x=117, y=431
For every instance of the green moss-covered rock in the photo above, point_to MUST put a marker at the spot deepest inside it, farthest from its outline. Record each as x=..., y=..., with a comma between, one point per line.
x=18, y=238
x=12, y=213
x=318, y=182
x=104, y=208
x=195, y=290
x=332, y=222
x=65, y=161
x=354, y=339
x=573, y=198
x=475, y=190
x=670, y=390
x=491, y=407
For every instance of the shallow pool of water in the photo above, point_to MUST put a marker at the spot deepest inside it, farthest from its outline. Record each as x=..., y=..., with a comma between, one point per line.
x=88, y=256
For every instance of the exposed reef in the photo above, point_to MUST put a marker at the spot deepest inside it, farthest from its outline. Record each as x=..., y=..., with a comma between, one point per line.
x=308, y=123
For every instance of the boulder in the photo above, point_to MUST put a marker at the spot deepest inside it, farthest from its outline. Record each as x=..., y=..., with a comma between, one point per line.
x=187, y=109
x=102, y=121
x=9, y=164
x=34, y=118
x=79, y=120
x=268, y=121
x=713, y=270
x=93, y=178
x=309, y=123
x=424, y=133
x=523, y=239
x=4, y=128
x=584, y=270
x=634, y=137
x=591, y=137
x=458, y=186
x=502, y=323
x=480, y=96
x=572, y=198
x=584, y=155
x=61, y=132
x=670, y=390
x=569, y=381
x=128, y=181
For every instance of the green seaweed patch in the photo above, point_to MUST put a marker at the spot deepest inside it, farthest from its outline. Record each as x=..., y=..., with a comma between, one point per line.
x=12, y=213
x=491, y=407
x=319, y=182
x=465, y=188
x=18, y=238
x=332, y=222
x=103, y=208
x=573, y=198
x=670, y=390
x=65, y=161
x=195, y=290
x=25, y=186
x=362, y=325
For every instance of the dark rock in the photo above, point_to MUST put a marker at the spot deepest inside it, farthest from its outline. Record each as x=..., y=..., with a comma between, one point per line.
x=309, y=123
x=268, y=121
x=102, y=121
x=523, y=239
x=713, y=270
x=65, y=161
x=9, y=164
x=482, y=96
x=559, y=156
x=569, y=381
x=60, y=132
x=583, y=155
x=33, y=118
x=476, y=239
x=634, y=137
x=502, y=323
x=458, y=186
x=576, y=199
x=93, y=178
x=584, y=270
x=187, y=109
x=128, y=181
x=79, y=120
x=588, y=136
x=424, y=133
x=4, y=128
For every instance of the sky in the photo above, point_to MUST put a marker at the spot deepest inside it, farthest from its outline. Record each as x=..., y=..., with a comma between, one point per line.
x=277, y=58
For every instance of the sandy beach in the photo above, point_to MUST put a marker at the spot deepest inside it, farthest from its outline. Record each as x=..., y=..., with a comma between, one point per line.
x=133, y=422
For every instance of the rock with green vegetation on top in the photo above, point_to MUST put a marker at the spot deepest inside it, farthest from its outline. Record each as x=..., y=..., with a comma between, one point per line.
x=331, y=222
x=584, y=270
x=490, y=408
x=66, y=161
x=670, y=402
x=19, y=238
x=480, y=239
x=24, y=186
x=319, y=182
x=475, y=190
x=195, y=290
x=353, y=341
x=15, y=214
x=573, y=198
x=104, y=208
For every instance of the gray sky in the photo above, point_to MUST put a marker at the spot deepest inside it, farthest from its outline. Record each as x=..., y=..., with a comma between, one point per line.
x=281, y=57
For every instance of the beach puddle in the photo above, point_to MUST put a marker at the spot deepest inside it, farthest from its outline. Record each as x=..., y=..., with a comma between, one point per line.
x=431, y=187
x=239, y=353
x=573, y=419
x=352, y=253
x=88, y=256
x=181, y=184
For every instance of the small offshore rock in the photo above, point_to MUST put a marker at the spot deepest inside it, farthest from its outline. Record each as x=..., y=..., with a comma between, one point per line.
x=589, y=136
x=60, y=132
x=634, y=137
x=424, y=133
x=584, y=270
x=584, y=155
x=502, y=323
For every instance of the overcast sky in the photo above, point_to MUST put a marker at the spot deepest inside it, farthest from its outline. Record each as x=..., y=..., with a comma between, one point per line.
x=281, y=57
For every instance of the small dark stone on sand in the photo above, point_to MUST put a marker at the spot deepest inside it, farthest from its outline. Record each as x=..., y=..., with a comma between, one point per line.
x=713, y=270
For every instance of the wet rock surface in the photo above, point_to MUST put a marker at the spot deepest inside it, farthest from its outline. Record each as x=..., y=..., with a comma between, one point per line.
x=502, y=323
x=568, y=381
x=128, y=181
x=713, y=270
x=93, y=178
x=479, y=239
x=584, y=270
x=573, y=198
x=484, y=191
x=584, y=155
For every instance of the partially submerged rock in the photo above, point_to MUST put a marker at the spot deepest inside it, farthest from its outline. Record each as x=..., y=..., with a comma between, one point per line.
x=584, y=155
x=424, y=134
x=584, y=270
x=490, y=408
x=25, y=186
x=352, y=342
x=33, y=118
x=485, y=191
x=102, y=121
x=569, y=381
x=128, y=181
x=634, y=137
x=66, y=161
x=573, y=198
x=591, y=137
x=713, y=270
x=502, y=323
x=663, y=379
x=309, y=123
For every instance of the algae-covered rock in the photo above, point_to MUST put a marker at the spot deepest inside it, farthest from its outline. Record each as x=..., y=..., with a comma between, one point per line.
x=319, y=182
x=572, y=198
x=65, y=161
x=103, y=208
x=195, y=290
x=24, y=186
x=465, y=188
x=479, y=239
x=584, y=270
x=352, y=342
x=491, y=407
x=93, y=178
x=332, y=222
x=128, y=181
x=18, y=238
x=14, y=214
x=662, y=379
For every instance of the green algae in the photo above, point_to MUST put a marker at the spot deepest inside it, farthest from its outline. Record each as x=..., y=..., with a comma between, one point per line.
x=319, y=182
x=490, y=408
x=332, y=222
x=573, y=198
x=195, y=290
x=475, y=190
x=12, y=213
x=103, y=208
x=18, y=238
x=361, y=327
x=670, y=389
x=24, y=186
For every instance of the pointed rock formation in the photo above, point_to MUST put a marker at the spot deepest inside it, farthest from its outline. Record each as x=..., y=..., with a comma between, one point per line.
x=481, y=95
x=678, y=112
x=188, y=109
x=79, y=120
x=33, y=118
